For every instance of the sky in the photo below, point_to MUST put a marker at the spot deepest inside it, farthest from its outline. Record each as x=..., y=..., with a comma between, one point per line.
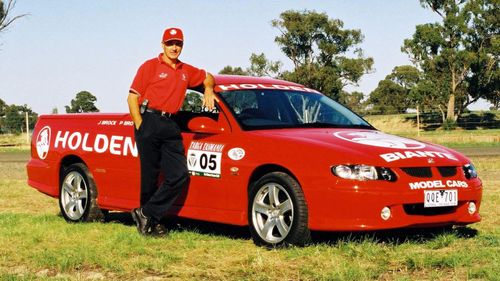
x=64, y=47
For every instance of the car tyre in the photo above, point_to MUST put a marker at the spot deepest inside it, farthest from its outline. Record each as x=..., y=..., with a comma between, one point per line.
x=78, y=195
x=277, y=211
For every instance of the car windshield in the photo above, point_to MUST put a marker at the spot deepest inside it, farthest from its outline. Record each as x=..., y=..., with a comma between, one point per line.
x=265, y=109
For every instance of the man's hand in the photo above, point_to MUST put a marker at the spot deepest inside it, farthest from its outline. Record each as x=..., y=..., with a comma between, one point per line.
x=133, y=106
x=209, y=97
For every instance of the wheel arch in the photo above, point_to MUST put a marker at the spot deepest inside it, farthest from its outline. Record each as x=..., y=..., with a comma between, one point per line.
x=268, y=168
x=67, y=161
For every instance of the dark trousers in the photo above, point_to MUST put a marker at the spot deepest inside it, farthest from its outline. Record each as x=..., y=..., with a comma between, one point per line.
x=160, y=147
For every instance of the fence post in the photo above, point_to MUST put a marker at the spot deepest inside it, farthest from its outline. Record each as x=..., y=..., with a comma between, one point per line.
x=27, y=129
x=418, y=123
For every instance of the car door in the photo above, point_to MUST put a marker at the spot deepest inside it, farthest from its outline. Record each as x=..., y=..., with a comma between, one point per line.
x=207, y=161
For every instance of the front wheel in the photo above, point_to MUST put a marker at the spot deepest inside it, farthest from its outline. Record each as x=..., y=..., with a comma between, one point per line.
x=277, y=211
x=78, y=195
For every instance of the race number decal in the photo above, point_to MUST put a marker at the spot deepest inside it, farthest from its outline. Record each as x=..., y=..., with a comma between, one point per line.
x=204, y=159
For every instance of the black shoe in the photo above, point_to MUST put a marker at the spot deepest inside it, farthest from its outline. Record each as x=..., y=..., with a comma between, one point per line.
x=143, y=222
x=159, y=230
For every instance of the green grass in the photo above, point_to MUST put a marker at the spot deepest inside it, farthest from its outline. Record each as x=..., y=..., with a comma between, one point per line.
x=13, y=143
x=37, y=244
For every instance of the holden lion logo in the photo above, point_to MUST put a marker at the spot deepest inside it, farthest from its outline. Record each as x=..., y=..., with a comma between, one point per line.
x=379, y=139
x=43, y=142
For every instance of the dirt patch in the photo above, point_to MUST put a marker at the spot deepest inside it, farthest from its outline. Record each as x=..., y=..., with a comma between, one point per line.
x=479, y=151
x=21, y=156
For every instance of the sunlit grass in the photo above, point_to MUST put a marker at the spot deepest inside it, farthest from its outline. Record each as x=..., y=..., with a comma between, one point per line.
x=400, y=125
x=38, y=244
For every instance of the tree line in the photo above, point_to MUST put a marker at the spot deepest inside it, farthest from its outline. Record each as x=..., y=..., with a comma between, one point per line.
x=454, y=61
x=13, y=117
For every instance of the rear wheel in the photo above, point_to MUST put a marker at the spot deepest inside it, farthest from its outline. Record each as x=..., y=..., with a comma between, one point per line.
x=78, y=195
x=277, y=211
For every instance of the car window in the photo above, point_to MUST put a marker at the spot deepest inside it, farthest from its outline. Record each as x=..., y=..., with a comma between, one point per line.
x=263, y=109
x=193, y=107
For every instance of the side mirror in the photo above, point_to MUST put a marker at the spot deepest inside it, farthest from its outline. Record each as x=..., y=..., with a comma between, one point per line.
x=204, y=125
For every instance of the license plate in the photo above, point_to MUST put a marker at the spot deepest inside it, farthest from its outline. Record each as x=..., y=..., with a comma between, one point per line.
x=440, y=198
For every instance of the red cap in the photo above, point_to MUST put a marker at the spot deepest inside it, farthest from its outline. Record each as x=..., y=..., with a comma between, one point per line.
x=173, y=34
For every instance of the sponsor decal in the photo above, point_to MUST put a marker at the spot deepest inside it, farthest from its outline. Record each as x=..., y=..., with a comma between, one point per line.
x=264, y=86
x=236, y=153
x=99, y=143
x=115, y=122
x=437, y=184
x=163, y=75
x=107, y=122
x=375, y=138
x=394, y=156
x=204, y=159
x=43, y=142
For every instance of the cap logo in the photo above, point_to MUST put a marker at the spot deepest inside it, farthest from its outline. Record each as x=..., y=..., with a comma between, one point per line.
x=173, y=32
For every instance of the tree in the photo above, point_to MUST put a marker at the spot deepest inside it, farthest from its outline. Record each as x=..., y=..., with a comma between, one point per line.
x=353, y=100
x=457, y=54
x=317, y=46
x=484, y=80
x=5, y=11
x=84, y=102
x=396, y=93
x=233, y=71
x=15, y=118
x=3, y=107
x=260, y=66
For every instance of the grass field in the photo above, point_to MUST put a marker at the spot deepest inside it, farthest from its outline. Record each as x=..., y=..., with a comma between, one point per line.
x=403, y=125
x=37, y=244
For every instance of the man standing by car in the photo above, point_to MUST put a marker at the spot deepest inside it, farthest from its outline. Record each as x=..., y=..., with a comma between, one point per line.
x=157, y=92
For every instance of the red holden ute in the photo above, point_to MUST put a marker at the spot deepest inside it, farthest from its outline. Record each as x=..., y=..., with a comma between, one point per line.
x=274, y=155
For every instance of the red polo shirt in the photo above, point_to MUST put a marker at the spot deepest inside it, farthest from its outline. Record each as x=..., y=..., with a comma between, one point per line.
x=163, y=86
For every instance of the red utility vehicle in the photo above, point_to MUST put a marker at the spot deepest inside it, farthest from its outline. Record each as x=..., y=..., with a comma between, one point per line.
x=274, y=155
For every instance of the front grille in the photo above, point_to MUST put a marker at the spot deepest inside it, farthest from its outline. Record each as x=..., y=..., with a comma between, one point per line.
x=418, y=209
x=419, y=172
x=447, y=171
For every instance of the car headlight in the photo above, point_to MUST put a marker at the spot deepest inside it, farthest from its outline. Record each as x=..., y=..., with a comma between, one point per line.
x=470, y=171
x=363, y=172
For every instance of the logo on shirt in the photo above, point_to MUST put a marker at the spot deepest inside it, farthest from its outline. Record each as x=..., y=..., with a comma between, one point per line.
x=184, y=77
x=163, y=75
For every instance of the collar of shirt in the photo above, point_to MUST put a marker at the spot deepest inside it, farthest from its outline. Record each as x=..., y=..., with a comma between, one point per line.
x=161, y=61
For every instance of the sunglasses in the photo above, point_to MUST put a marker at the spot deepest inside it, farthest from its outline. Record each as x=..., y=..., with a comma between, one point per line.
x=173, y=42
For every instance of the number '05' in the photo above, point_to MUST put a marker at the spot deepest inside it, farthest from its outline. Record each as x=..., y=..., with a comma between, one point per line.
x=208, y=161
